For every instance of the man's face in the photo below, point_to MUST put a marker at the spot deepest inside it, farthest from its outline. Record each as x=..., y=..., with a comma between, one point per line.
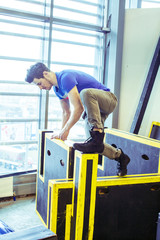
x=42, y=83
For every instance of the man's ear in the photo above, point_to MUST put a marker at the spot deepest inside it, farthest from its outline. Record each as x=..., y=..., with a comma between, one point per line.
x=46, y=74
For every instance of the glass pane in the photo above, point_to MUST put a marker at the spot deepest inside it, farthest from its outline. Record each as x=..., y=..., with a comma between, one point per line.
x=75, y=35
x=22, y=44
x=15, y=158
x=61, y=67
x=76, y=47
x=76, y=133
x=75, y=5
x=72, y=53
x=18, y=131
x=19, y=107
x=32, y=7
x=53, y=125
x=18, y=47
x=23, y=26
x=86, y=12
x=54, y=110
x=19, y=88
x=14, y=70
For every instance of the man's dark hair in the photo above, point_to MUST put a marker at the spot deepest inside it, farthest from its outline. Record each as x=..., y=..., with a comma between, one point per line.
x=36, y=71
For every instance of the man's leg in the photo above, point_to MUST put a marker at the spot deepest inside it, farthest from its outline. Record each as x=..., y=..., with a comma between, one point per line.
x=118, y=155
x=98, y=105
x=87, y=128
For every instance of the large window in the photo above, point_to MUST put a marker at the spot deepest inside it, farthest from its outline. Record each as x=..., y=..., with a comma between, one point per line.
x=64, y=34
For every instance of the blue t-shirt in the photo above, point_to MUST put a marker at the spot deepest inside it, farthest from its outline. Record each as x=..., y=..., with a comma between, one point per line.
x=67, y=79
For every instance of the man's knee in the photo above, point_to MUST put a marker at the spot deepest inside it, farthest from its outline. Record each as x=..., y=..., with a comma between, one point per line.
x=84, y=94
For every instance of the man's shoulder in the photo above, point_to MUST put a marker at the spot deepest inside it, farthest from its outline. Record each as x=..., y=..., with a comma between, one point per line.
x=65, y=72
x=66, y=76
x=69, y=72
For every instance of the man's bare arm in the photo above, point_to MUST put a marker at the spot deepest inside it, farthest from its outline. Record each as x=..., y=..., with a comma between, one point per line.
x=66, y=112
x=70, y=119
x=78, y=108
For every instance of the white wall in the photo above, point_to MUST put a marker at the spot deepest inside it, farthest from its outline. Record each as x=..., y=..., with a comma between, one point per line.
x=6, y=187
x=141, y=33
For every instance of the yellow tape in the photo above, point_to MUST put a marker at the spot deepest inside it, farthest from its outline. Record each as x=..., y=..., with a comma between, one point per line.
x=153, y=123
x=93, y=198
x=81, y=197
x=55, y=186
x=68, y=221
x=102, y=182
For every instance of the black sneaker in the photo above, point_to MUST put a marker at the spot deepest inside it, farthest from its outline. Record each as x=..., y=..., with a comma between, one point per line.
x=94, y=144
x=123, y=161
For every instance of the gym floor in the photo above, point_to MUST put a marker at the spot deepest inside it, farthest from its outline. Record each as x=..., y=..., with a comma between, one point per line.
x=19, y=214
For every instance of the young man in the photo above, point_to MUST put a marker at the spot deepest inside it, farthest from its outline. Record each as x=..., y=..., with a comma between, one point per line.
x=86, y=95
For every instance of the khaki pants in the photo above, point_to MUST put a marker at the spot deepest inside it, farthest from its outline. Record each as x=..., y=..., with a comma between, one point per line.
x=98, y=104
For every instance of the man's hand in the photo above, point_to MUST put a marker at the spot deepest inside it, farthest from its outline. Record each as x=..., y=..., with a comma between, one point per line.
x=63, y=134
x=55, y=136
